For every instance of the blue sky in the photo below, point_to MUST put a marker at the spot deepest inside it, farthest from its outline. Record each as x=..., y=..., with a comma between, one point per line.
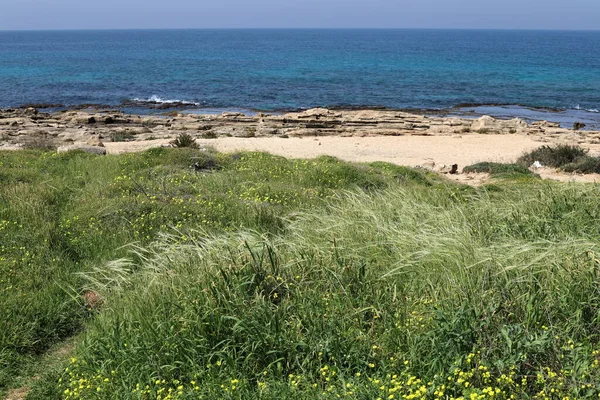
x=160, y=14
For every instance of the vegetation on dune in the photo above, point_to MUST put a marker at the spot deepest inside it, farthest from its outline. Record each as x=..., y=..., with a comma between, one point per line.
x=553, y=156
x=499, y=170
x=252, y=276
x=419, y=292
x=61, y=214
x=566, y=157
x=185, y=140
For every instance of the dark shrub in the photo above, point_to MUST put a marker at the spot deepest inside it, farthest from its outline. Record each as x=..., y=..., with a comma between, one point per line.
x=185, y=140
x=498, y=168
x=584, y=165
x=209, y=135
x=556, y=156
x=121, y=136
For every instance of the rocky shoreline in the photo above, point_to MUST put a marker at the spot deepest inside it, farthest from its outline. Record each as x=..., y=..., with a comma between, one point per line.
x=76, y=129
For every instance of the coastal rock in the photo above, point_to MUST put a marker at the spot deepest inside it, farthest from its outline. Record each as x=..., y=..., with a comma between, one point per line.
x=232, y=114
x=545, y=124
x=101, y=151
x=487, y=124
x=74, y=135
x=453, y=122
x=441, y=130
x=314, y=114
x=82, y=119
x=94, y=141
x=12, y=121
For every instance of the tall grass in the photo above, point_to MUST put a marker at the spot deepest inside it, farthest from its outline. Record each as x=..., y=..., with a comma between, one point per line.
x=415, y=292
x=63, y=214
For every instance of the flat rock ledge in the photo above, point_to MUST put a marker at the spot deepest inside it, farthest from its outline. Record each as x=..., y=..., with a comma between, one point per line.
x=70, y=130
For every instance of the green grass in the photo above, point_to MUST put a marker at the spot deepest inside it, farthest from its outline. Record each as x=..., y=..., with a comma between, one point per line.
x=410, y=292
x=272, y=278
x=61, y=214
x=499, y=170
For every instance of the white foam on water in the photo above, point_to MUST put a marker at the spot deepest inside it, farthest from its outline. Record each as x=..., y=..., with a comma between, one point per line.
x=157, y=99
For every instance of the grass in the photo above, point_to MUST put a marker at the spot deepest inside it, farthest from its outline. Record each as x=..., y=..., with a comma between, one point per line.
x=61, y=214
x=270, y=278
x=499, y=170
x=429, y=292
x=121, y=136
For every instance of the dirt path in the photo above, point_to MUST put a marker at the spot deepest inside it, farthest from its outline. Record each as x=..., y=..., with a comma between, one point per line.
x=55, y=356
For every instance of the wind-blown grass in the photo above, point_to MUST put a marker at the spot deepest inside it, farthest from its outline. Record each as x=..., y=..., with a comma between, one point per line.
x=63, y=214
x=413, y=292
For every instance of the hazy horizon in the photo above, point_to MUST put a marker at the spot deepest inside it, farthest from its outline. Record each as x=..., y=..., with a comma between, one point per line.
x=296, y=28
x=301, y=14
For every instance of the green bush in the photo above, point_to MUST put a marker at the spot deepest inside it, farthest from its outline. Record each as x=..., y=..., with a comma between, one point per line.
x=555, y=157
x=121, y=136
x=185, y=140
x=497, y=169
x=584, y=165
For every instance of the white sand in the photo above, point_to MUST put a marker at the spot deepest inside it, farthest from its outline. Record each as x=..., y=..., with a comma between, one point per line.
x=402, y=150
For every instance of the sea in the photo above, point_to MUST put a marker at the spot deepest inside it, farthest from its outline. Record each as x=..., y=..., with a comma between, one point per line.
x=552, y=75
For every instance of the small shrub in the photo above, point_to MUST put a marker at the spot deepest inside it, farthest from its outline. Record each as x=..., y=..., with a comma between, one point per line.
x=496, y=169
x=250, y=132
x=484, y=131
x=121, y=136
x=205, y=128
x=466, y=129
x=584, y=165
x=209, y=135
x=578, y=125
x=555, y=157
x=185, y=140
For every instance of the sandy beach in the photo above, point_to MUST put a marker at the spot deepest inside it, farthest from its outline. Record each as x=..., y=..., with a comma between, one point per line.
x=358, y=136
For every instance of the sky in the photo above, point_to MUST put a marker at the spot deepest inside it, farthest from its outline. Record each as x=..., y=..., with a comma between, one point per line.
x=177, y=14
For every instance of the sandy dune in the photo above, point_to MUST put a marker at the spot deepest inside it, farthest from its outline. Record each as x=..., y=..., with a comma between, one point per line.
x=430, y=151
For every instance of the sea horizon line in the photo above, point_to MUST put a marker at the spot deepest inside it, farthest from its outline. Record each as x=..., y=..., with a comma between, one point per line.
x=300, y=29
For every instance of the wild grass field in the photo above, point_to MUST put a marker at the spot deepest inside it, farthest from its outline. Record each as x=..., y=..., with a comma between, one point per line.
x=256, y=277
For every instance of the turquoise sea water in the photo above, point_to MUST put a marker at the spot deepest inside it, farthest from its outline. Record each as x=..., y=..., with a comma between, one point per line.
x=289, y=69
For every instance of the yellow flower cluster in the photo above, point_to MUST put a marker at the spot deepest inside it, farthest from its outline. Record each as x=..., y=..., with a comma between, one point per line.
x=471, y=379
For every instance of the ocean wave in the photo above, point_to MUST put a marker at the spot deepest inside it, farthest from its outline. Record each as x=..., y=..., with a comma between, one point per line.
x=159, y=100
x=592, y=110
